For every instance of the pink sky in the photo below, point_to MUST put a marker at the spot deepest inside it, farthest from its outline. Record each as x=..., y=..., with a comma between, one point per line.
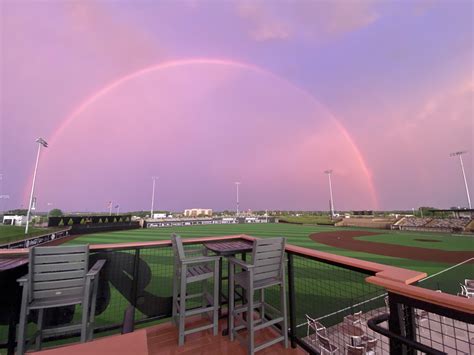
x=380, y=93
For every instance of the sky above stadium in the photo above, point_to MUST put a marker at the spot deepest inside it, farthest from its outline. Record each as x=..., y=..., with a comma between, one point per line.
x=205, y=93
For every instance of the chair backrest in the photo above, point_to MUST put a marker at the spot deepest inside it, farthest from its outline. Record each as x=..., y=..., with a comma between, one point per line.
x=178, y=249
x=325, y=343
x=355, y=350
x=57, y=272
x=314, y=324
x=268, y=256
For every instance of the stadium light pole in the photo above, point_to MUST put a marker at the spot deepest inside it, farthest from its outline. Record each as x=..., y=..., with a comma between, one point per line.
x=459, y=154
x=41, y=143
x=328, y=173
x=153, y=197
x=237, y=186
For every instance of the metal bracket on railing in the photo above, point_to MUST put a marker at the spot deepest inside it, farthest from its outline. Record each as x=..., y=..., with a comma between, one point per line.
x=373, y=324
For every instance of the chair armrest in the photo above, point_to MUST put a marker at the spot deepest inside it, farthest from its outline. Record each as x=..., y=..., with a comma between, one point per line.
x=240, y=263
x=200, y=259
x=22, y=280
x=94, y=270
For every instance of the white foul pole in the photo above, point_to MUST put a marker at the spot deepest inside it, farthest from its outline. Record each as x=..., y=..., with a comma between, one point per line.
x=152, y=197
x=459, y=154
x=41, y=143
x=237, y=186
x=329, y=172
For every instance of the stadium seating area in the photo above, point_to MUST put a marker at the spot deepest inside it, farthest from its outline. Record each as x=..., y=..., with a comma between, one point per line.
x=434, y=224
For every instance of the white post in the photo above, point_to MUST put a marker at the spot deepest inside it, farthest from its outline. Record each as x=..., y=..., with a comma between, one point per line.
x=465, y=182
x=41, y=142
x=237, y=185
x=152, y=198
x=329, y=172
x=118, y=210
x=110, y=208
x=463, y=175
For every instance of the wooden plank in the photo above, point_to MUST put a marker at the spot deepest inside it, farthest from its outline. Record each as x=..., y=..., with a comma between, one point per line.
x=73, y=291
x=55, y=285
x=60, y=250
x=268, y=268
x=269, y=247
x=268, y=261
x=266, y=275
x=267, y=255
x=60, y=267
x=51, y=276
x=50, y=259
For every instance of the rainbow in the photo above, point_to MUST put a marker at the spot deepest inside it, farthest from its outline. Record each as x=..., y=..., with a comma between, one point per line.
x=196, y=61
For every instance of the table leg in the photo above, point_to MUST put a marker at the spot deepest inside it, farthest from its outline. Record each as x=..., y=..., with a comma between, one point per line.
x=220, y=288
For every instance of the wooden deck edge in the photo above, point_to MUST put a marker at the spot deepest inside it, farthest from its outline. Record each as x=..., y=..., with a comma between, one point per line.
x=441, y=299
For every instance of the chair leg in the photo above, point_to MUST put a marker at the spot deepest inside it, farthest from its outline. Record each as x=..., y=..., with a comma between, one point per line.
x=176, y=281
x=182, y=307
x=283, y=309
x=90, y=329
x=23, y=322
x=215, y=299
x=85, y=313
x=262, y=302
x=230, y=310
x=39, y=335
x=250, y=322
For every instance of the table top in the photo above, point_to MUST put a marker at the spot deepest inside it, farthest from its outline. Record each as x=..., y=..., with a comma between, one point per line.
x=7, y=263
x=229, y=247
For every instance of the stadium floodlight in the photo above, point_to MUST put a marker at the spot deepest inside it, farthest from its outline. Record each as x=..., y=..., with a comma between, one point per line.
x=237, y=186
x=153, y=197
x=41, y=143
x=459, y=154
x=331, y=201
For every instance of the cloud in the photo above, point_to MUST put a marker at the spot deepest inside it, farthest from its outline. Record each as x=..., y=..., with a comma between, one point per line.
x=313, y=20
x=264, y=25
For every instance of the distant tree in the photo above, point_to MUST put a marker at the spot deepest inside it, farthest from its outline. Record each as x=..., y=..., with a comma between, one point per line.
x=56, y=212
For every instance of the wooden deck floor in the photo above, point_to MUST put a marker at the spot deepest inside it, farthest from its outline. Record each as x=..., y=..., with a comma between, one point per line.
x=162, y=339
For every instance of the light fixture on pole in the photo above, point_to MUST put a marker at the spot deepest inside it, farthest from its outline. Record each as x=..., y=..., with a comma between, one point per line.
x=237, y=186
x=331, y=201
x=41, y=143
x=459, y=154
x=153, y=197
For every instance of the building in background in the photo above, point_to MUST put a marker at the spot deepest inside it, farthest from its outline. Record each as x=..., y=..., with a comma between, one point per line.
x=198, y=212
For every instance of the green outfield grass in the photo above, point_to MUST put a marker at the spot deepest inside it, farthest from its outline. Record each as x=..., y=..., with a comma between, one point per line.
x=296, y=234
x=308, y=219
x=10, y=234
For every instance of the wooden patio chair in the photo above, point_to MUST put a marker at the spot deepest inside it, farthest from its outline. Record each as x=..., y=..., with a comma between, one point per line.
x=58, y=276
x=313, y=324
x=188, y=270
x=354, y=319
x=468, y=291
x=469, y=283
x=326, y=346
x=265, y=270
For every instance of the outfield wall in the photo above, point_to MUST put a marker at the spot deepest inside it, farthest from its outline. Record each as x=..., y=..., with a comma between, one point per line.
x=179, y=222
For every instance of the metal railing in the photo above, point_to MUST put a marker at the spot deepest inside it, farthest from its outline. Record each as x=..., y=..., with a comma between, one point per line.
x=136, y=284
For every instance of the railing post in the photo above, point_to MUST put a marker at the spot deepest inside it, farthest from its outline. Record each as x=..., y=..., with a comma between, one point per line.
x=291, y=299
x=395, y=325
x=133, y=298
x=410, y=327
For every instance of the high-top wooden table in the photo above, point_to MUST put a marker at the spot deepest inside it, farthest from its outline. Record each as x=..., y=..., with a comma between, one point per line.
x=227, y=249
